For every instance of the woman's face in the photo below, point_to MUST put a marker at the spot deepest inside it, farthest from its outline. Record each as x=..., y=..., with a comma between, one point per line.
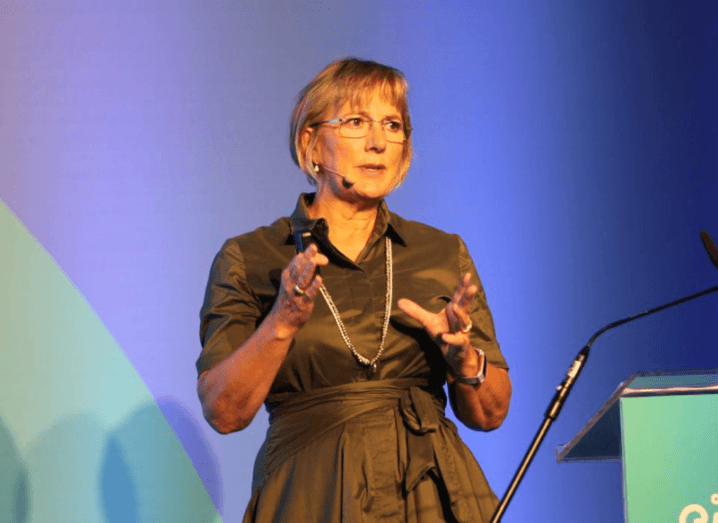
x=371, y=163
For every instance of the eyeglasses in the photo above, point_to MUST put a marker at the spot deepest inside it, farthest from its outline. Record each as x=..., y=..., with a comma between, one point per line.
x=358, y=127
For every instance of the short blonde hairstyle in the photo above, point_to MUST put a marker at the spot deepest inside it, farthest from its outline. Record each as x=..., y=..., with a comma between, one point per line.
x=347, y=80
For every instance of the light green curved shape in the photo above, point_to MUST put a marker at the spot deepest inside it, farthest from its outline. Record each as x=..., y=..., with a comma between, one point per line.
x=81, y=437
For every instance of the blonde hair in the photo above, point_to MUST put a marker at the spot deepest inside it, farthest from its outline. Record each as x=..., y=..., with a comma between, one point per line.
x=347, y=80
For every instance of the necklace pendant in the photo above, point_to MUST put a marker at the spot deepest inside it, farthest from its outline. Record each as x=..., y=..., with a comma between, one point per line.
x=371, y=370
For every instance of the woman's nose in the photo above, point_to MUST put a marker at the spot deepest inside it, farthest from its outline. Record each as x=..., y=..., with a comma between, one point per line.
x=376, y=138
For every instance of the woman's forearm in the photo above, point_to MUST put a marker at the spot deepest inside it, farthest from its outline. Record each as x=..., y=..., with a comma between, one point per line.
x=484, y=406
x=232, y=391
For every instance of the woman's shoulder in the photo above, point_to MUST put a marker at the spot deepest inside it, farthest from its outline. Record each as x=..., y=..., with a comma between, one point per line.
x=418, y=232
x=274, y=235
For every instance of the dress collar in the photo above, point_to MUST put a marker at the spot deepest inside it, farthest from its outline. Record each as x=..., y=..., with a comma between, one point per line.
x=386, y=222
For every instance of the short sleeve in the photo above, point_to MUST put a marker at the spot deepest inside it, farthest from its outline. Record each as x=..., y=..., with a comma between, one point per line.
x=483, y=335
x=230, y=312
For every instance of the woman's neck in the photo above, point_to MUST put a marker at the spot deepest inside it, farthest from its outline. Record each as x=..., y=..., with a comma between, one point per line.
x=350, y=226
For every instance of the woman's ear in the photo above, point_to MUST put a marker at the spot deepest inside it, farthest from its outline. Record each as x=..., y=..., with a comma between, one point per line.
x=305, y=138
x=310, y=139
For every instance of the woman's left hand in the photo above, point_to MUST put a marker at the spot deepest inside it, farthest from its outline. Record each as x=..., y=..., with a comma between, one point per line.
x=450, y=328
x=479, y=407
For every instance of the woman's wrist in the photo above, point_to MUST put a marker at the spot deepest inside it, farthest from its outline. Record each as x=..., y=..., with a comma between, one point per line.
x=463, y=360
x=472, y=369
x=279, y=329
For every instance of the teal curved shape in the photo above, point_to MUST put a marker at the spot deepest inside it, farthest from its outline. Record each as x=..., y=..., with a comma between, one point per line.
x=82, y=438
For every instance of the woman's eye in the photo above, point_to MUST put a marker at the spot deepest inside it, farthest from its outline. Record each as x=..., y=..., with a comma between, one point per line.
x=355, y=122
x=393, y=126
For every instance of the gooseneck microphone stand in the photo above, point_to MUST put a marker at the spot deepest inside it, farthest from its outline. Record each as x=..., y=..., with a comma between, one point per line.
x=563, y=390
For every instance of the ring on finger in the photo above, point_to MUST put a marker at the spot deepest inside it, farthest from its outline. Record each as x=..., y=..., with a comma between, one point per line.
x=468, y=328
x=298, y=292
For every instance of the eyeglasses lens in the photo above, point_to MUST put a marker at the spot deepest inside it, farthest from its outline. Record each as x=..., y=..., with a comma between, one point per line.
x=359, y=128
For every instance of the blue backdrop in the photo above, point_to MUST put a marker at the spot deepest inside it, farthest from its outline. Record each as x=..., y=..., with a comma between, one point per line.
x=574, y=146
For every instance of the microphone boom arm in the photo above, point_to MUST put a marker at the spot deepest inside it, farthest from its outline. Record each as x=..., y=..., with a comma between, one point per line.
x=564, y=389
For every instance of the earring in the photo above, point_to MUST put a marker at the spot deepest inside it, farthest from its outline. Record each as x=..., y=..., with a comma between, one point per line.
x=315, y=167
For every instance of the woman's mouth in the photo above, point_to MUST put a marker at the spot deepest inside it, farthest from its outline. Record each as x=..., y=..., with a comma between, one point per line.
x=373, y=168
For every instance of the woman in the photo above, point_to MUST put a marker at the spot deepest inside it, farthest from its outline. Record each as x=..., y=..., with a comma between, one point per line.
x=353, y=379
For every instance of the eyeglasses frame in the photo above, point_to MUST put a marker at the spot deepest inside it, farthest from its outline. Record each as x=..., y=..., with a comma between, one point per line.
x=342, y=120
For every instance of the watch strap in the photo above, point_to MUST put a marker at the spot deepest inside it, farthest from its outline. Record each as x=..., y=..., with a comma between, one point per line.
x=480, y=377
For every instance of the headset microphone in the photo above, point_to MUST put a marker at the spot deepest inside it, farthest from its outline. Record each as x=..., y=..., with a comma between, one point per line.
x=348, y=184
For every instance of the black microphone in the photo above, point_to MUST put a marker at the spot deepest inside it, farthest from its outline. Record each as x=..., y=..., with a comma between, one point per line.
x=710, y=247
x=345, y=182
x=302, y=240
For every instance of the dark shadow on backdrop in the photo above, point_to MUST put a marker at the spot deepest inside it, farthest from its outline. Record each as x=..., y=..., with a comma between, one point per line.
x=195, y=445
x=14, y=486
x=143, y=476
x=117, y=485
x=62, y=460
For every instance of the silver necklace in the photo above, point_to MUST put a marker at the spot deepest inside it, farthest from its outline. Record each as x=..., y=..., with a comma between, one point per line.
x=387, y=312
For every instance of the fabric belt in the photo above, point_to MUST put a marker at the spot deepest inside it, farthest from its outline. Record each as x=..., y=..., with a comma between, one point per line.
x=298, y=419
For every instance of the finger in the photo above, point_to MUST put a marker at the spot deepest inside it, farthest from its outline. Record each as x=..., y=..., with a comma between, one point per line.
x=304, y=303
x=320, y=260
x=313, y=257
x=463, y=318
x=458, y=299
x=312, y=253
x=306, y=265
x=305, y=278
x=415, y=311
x=453, y=346
x=464, y=283
x=456, y=339
x=468, y=295
x=459, y=319
x=300, y=258
x=462, y=288
x=452, y=317
x=467, y=298
x=313, y=289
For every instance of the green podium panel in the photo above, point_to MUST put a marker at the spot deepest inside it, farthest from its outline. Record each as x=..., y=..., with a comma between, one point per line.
x=670, y=457
x=663, y=427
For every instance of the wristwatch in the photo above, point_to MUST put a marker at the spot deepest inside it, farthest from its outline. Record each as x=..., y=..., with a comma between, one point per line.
x=480, y=377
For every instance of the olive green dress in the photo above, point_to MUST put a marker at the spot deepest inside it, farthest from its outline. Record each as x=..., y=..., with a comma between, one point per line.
x=345, y=443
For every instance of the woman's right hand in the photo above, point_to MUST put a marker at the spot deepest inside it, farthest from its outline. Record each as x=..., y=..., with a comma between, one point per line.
x=297, y=290
x=232, y=391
